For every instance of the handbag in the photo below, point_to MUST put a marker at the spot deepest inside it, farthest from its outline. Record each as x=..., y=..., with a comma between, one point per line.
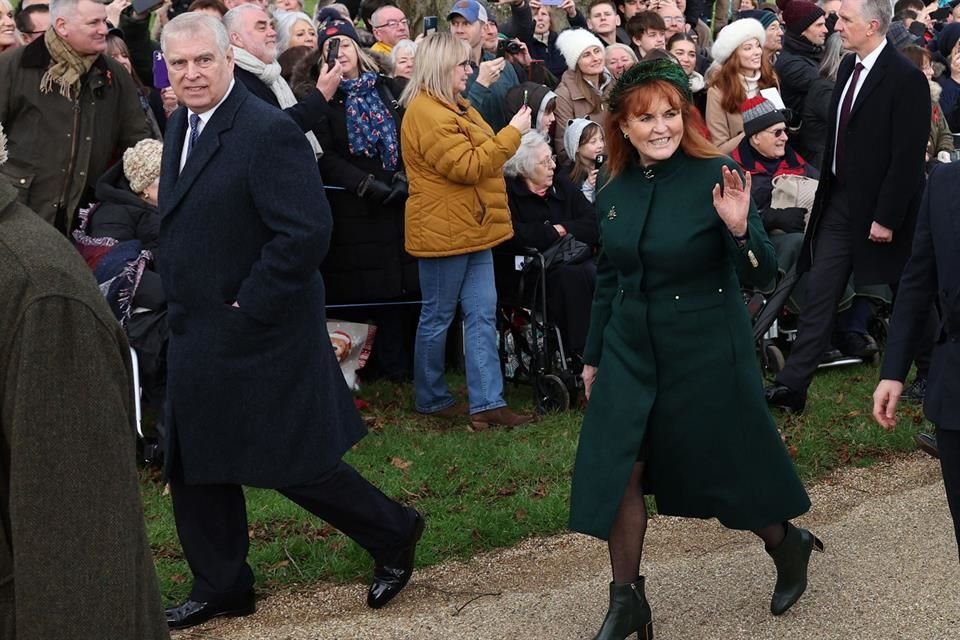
x=794, y=191
x=566, y=250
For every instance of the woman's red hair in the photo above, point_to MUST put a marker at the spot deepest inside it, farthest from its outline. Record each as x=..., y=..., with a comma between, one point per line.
x=638, y=100
x=727, y=80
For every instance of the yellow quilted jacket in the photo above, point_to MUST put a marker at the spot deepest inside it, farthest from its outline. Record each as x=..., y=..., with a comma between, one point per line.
x=454, y=164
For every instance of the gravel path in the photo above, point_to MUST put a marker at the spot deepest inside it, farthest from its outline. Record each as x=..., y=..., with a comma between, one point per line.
x=890, y=571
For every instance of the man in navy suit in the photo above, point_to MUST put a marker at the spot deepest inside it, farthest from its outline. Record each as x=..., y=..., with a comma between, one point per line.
x=255, y=395
x=933, y=271
x=870, y=187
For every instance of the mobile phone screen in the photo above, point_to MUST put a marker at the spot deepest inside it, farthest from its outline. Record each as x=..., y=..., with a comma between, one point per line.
x=333, y=52
x=429, y=25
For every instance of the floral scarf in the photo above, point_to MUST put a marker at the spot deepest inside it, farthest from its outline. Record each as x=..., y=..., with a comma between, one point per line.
x=371, y=129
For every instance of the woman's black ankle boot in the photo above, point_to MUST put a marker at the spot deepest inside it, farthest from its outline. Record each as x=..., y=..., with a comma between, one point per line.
x=629, y=613
x=791, y=558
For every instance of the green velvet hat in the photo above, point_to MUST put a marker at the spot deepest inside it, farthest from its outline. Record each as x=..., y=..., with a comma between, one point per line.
x=647, y=71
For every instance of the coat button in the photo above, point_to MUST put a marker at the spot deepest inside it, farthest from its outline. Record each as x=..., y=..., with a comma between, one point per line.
x=719, y=290
x=23, y=181
x=676, y=297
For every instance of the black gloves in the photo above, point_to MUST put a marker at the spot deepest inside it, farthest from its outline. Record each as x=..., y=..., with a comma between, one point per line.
x=380, y=192
x=789, y=220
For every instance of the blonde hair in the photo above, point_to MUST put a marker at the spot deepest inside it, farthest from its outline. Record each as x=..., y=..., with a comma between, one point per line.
x=437, y=55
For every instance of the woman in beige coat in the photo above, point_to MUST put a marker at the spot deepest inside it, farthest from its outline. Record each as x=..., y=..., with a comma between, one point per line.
x=739, y=71
x=584, y=86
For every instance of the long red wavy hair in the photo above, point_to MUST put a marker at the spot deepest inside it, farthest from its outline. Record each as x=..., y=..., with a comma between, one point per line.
x=638, y=100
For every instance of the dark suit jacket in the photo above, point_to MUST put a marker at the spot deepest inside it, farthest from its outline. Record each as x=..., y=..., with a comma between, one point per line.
x=255, y=395
x=883, y=164
x=933, y=270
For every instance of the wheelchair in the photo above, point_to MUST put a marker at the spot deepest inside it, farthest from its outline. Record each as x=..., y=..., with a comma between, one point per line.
x=530, y=345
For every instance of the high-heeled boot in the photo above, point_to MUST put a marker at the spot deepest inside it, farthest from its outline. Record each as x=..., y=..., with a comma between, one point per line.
x=791, y=558
x=629, y=613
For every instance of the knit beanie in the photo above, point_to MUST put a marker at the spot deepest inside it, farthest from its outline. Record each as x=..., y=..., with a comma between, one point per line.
x=799, y=14
x=735, y=34
x=758, y=114
x=337, y=28
x=571, y=137
x=3, y=145
x=947, y=40
x=766, y=18
x=573, y=42
x=141, y=164
x=899, y=36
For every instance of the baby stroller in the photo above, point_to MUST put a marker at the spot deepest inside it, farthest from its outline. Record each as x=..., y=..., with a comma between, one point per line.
x=530, y=346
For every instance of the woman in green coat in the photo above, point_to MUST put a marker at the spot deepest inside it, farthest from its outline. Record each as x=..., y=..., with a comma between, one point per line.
x=676, y=407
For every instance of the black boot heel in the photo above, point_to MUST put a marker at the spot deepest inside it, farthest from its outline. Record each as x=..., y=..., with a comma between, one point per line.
x=791, y=558
x=629, y=613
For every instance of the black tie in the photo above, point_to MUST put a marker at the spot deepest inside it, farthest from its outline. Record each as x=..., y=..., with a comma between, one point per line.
x=845, y=115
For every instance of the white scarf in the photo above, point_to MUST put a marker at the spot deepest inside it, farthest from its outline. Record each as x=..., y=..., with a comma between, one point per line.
x=751, y=84
x=269, y=74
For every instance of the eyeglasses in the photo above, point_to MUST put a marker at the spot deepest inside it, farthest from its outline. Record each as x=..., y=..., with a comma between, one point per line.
x=392, y=24
x=673, y=19
x=549, y=161
x=779, y=133
x=466, y=64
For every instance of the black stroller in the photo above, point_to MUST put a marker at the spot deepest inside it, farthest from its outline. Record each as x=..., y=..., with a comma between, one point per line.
x=530, y=346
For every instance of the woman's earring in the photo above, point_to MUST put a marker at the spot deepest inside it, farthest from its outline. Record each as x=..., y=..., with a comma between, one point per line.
x=626, y=136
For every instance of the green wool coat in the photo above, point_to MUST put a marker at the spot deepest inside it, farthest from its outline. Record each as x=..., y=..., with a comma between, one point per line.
x=75, y=562
x=677, y=371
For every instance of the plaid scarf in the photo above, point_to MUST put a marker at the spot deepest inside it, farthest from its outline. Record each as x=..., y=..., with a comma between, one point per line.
x=68, y=67
x=371, y=130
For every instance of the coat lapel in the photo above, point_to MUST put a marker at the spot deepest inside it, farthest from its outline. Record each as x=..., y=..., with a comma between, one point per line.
x=206, y=148
x=873, y=80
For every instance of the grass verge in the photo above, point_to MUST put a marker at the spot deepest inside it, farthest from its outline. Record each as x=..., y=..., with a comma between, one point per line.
x=481, y=491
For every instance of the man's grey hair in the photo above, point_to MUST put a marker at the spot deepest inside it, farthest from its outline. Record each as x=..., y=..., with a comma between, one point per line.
x=524, y=161
x=286, y=21
x=879, y=10
x=234, y=17
x=374, y=17
x=192, y=25
x=62, y=9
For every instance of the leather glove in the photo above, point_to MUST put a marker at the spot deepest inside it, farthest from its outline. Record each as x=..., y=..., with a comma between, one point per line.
x=399, y=190
x=374, y=190
x=789, y=220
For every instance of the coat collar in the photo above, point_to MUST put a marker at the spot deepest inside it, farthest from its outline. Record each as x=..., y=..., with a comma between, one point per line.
x=175, y=184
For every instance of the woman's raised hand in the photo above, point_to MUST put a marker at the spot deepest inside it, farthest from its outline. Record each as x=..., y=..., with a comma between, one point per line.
x=732, y=202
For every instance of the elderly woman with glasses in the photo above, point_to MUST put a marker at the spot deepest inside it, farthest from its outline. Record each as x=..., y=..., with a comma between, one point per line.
x=457, y=212
x=545, y=207
x=676, y=407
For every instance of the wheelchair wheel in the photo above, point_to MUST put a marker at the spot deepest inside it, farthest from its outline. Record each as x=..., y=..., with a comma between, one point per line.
x=773, y=360
x=552, y=394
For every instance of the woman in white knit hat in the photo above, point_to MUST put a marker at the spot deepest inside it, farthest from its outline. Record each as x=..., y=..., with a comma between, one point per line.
x=739, y=71
x=583, y=87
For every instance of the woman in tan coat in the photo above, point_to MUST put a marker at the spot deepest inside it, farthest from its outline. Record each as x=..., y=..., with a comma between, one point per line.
x=456, y=213
x=739, y=71
x=583, y=87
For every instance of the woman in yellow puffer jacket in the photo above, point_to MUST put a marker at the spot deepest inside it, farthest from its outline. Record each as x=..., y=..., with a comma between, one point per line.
x=457, y=211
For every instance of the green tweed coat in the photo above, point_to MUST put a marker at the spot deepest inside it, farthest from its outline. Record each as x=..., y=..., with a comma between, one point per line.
x=677, y=372
x=75, y=562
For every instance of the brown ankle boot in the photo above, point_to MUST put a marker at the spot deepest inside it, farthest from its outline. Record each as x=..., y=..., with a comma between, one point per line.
x=501, y=416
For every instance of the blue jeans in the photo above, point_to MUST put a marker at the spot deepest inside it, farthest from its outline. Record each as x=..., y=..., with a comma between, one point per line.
x=445, y=282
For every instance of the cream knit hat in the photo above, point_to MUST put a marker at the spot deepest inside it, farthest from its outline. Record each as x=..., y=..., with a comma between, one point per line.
x=3, y=145
x=141, y=164
x=573, y=42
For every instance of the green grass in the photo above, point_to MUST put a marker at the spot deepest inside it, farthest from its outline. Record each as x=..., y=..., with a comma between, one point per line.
x=481, y=491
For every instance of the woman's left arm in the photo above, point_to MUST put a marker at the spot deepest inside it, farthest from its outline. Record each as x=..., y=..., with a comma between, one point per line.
x=747, y=242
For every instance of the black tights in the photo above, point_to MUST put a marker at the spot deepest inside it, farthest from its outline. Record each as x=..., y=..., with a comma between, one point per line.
x=630, y=526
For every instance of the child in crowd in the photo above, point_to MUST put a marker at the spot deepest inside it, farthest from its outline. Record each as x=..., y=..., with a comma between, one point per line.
x=583, y=141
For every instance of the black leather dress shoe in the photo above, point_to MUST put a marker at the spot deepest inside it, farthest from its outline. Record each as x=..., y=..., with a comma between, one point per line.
x=390, y=579
x=191, y=612
x=927, y=442
x=780, y=396
x=915, y=392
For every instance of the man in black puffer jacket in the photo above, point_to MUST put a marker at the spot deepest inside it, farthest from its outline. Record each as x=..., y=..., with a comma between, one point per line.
x=799, y=61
